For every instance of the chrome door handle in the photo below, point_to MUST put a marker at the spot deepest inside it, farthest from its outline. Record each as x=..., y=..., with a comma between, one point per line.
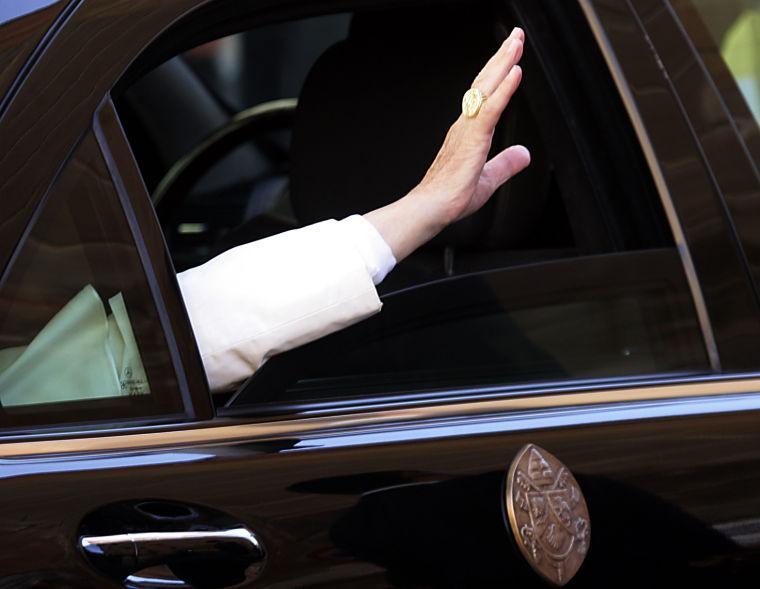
x=220, y=552
x=157, y=544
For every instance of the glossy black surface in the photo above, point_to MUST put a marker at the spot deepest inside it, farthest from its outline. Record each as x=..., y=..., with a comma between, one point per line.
x=670, y=501
x=195, y=545
x=23, y=40
x=672, y=484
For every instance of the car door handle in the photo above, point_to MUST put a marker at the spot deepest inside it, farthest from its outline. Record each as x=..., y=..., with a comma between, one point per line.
x=214, y=558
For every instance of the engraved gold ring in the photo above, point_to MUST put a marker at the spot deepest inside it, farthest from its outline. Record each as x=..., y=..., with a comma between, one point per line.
x=472, y=102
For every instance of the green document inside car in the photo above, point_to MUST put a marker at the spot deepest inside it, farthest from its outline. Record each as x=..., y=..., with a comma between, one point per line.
x=82, y=353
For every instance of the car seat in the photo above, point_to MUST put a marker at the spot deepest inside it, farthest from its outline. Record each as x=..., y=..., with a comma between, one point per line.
x=374, y=111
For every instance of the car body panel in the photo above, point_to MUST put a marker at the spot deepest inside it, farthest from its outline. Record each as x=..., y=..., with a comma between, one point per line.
x=22, y=35
x=676, y=494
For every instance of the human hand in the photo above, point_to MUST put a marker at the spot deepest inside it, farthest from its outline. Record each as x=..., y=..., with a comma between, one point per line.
x=460, y=180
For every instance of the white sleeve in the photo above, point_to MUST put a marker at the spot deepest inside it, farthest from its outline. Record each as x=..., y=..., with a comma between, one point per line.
x=275, y=294
x=376, y=253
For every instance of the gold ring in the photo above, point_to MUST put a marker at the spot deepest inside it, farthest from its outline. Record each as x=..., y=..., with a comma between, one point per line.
x=472, y=102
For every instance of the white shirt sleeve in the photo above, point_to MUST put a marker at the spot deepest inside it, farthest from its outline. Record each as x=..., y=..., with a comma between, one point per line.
x=374, y=250
x=275, y=294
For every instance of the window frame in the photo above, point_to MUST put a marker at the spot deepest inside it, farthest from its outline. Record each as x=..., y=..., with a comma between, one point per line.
x=151, y=246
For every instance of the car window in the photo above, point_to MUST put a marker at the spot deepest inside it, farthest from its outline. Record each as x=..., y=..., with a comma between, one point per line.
x=80, y=337
x=570, y=272
x=241, y=194
x=589, y=317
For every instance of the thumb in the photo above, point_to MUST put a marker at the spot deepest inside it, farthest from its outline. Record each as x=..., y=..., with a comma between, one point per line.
x=505, y=165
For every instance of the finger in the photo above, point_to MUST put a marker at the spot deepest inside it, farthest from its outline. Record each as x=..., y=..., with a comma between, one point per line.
x=504, y=166
x=497, y=59
x=490, y=78
x=500, y=63
x=493, y=108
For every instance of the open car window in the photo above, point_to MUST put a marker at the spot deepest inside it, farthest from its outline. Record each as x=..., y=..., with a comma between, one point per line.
x=569, y=272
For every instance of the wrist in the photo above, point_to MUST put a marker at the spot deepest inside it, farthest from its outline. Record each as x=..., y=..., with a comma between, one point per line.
x=432, y=211
x=409, y=222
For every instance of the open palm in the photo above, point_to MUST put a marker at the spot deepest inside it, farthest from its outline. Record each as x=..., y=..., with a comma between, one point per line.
x=461, y=173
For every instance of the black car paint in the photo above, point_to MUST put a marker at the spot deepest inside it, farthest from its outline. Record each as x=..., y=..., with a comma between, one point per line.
x=673, y=485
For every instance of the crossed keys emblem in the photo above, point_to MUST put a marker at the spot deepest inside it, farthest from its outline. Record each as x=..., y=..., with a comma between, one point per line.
x=547, y=514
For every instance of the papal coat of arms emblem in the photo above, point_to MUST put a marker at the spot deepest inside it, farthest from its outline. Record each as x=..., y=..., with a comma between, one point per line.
x=547, y=514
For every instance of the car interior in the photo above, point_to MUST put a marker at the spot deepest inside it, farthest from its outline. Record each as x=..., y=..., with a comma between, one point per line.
x=282, y=125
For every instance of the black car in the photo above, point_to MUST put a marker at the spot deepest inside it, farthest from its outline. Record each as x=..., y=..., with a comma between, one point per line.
x=603, y=308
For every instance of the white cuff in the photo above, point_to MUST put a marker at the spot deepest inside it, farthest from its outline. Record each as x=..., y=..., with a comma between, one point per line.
x=376, y=253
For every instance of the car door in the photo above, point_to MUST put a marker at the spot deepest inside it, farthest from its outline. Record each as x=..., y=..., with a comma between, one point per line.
x=401, y=483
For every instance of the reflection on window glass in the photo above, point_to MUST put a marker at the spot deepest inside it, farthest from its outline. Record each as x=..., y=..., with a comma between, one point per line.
x=597, y=317
x=735, y=27
x=77, y=320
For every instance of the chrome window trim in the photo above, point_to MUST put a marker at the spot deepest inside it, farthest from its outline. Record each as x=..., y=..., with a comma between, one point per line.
x=530, y=411
x=659, y=180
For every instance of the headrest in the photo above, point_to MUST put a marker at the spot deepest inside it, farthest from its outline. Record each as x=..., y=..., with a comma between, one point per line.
x=375, y=108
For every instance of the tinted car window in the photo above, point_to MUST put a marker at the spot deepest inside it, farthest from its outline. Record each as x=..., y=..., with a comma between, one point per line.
x=592, y=317
x=80, y=336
